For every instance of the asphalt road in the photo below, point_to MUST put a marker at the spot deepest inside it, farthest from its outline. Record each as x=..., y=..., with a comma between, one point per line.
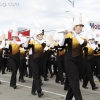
x=52, y=90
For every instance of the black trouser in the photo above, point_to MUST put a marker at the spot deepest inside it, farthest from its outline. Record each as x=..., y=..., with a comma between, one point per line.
x=87, y=72
x=97, y=63
x=66, y=85
x=4, y=65
x=46, y=66
x=1, y=62
x=25, y=70
x=73, y=66
x=29, y=66
x=49, y=66
x=35, y=63
x=21, y=68
x=14, y=61
x=61, y=67
x=8, y=65
x=53, y=61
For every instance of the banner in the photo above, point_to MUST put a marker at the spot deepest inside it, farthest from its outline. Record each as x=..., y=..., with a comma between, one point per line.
x=94, y=25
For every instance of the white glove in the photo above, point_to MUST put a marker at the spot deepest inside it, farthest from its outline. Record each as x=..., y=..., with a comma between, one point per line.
x=61, y=41
x=1, y=46
x=39, y=41
x=80, y=40
x=46, y=48
x=93, y=46
x=52, y=45
x=7, y=44
x=26, y=43
x=3, y=43
x=48, y=43
x=30, y=51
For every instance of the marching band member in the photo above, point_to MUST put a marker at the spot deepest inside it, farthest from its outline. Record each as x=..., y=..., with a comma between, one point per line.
x=14, y=57
x=73, y=60
x=22, y=58
x=89, y=63
x=22, y=63
x=1, y=52
x=36, y=59
x=2, y=46
x=97, y=57
x=47, y=61
x=5, y=56
x=60, y=56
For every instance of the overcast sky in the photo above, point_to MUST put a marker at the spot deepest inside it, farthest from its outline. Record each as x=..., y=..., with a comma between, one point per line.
x=50, y=14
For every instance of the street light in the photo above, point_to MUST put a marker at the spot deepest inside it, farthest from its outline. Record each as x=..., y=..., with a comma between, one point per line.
x=81, y=17
x=72, y=4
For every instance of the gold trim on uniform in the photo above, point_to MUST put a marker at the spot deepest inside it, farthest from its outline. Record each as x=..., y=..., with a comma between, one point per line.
x=22, y=53
x=90, y=52
x=15, y=48
x=60, y=52
x=76, y=47
x=1, y=51
x=38, y=49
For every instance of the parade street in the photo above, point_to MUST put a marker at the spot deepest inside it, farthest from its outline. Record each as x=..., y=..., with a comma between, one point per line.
x=52, y=90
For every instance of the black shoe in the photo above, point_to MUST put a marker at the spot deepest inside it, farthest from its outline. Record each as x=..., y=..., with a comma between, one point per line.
x=51, y=76
x=9, y=70
x=11, y=85
x=41, y=83
x=0, y=82
x=29, y=76
x=22, y=80
x=57, y=81
x=99, y=78
x=94, y=88
x=62, y=83
x=45, y=79
x=66, y=89
x=40, y=94
x=26, y=75
x=54, y=73
x=3, y=73
x=33, y=93
x=85, y=87
x=15, y=87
